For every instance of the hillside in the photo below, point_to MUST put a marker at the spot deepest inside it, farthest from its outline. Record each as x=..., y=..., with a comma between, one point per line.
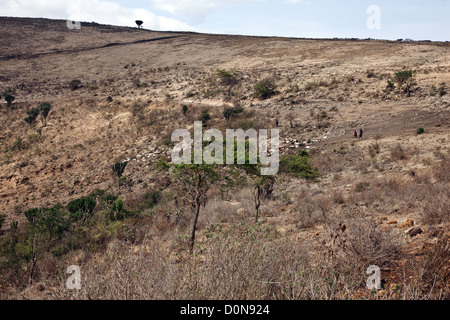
x=133, y=84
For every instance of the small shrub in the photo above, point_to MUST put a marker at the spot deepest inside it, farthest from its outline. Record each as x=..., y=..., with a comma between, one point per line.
x=32, y=116
x=18, y=144
x=403, y=76
x=204, y=117
x=229, y=112
x=398, y=153
x=362, y=186
x=184, y=109
x=45, y=110
x=81, y=209
x=227, y=78
x=299, y=165
x=119, y=168
x=374, y=149
x=151, y=199
x=75, y=84
x=117, y=210
x=264, y=89
x=420, y=130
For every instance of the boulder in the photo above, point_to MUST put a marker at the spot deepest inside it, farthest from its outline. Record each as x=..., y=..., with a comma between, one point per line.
x=414, y=231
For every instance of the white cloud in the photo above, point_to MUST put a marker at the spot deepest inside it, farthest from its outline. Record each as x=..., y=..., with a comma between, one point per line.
x=101, y=11
x=195, y=10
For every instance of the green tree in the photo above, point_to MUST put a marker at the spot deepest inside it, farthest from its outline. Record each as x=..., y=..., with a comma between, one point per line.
x=9, y=98
x=299, y=165
x=229, y=112
x=45, y=110
x=196, y=180
x=117, y=210
x=118, y=169
x=205, y=117
x=81, y=209
x=228, y=79
x=33, y=113
x=263, y=188
x=50, y=221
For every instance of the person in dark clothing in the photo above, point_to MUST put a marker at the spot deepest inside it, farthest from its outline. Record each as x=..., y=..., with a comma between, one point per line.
x=360, y=133
x=276, y=122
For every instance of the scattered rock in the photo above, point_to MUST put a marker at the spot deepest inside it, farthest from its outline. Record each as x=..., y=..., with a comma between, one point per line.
x=408, y=224
x=392, y=222
x=241, y=212
x=433, y=232
x=414, y=231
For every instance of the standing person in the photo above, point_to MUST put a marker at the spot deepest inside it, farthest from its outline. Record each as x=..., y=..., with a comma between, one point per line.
x=356, y=134
x=360, y=133
x=276, y=122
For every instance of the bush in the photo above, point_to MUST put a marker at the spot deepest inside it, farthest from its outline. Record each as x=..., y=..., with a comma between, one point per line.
x=360, y=242
x=117, y=210
x=403, y=76
x=227, y=78
x=51, y=221
x=81, y=209
x=45, y=110
x=184, y=109
x=264, y=89
x=151, y=199
x=204, y=117
x=9, y=99
x=420, y=130
x=299, y=165
x=33, y=113
x=119, y=168
x=229, y=112
x=398, y=153
x=75, y=84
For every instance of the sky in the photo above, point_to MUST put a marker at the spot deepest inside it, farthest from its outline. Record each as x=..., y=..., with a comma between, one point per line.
x=377, y=19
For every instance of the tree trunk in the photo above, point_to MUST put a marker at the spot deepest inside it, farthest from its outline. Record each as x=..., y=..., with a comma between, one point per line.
x=194, y=227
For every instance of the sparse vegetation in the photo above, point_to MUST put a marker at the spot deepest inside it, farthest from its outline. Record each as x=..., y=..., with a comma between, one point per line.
x=299, y=165
x=229, y=112
x=264, y=89
x=337, y=205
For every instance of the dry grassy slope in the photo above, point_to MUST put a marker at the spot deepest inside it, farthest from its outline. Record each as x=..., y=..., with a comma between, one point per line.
x=86, y=134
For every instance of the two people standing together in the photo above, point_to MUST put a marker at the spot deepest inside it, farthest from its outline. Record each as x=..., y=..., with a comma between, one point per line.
x=360, y=133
